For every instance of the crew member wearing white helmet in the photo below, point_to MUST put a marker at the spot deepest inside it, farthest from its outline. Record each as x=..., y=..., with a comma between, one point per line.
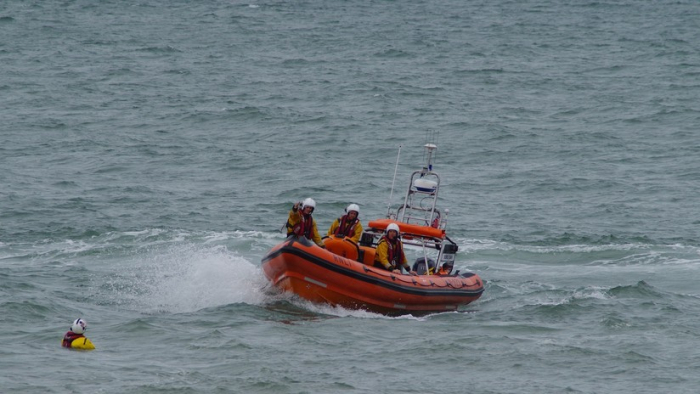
x=74, y=339
x=390, y=255
x=301, y=223
x=349, y=224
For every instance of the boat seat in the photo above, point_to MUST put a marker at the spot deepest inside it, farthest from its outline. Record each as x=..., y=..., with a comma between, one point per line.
x=367, y=255
x=342, y=246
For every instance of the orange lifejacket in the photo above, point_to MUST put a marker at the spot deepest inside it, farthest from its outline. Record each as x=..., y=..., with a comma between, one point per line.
x=345, y=227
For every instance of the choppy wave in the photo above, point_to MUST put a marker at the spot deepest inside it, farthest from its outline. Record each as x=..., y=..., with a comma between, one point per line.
x=150, y=152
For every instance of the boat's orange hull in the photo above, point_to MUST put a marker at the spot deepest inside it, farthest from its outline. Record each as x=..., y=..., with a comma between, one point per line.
x=318, y=275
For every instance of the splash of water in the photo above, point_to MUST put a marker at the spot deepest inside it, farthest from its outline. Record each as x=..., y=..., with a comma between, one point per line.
x=181, y=278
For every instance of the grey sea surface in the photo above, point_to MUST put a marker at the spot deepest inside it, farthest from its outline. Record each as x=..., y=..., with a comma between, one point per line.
x=150, y=151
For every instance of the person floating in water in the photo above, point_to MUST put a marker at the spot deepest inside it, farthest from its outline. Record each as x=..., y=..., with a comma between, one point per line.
x=74, y=339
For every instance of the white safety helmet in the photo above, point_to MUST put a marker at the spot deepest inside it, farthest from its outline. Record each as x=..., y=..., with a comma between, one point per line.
x=309, y=202
x=79, y=326
x=353, y=207
x=393, y=226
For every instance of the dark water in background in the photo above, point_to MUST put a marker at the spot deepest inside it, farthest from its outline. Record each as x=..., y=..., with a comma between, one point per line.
x=149, y=152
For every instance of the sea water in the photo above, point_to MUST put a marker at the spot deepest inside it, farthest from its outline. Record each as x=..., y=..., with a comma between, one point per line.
x=150, y=151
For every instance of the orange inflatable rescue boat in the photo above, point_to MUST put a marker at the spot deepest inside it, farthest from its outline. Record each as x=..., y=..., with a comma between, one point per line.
x=344, y=274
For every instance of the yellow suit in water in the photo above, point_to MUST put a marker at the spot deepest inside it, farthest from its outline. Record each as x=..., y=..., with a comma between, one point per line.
x=77, y=341
x=82, y=344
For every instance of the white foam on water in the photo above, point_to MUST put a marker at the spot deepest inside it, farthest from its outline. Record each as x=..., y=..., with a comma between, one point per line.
x=189, y=277
x=343, y=312
x=474, y=245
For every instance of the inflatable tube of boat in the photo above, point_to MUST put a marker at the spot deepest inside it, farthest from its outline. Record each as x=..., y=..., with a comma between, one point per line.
x=412, y=229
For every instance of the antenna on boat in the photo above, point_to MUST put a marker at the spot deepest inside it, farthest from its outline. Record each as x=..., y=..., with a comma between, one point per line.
x=388, y=208
x=430, y=146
